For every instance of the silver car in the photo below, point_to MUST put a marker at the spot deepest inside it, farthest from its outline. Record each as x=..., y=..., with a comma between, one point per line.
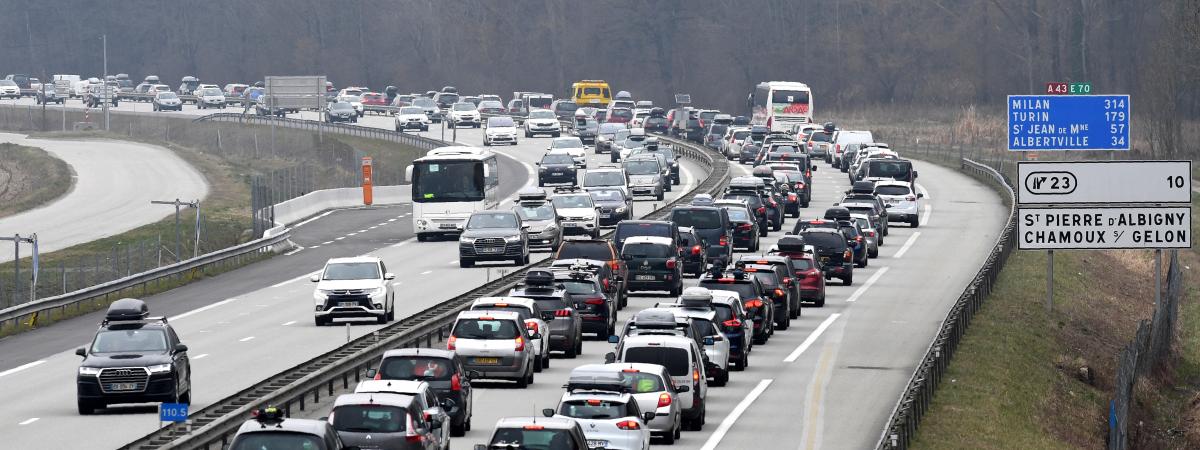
x=494, y=345
x=650, y=385
x=384, y=421
x=870, y=233
x=903, y=205
x=645, y=176
x=425, y=400
x=610, y=419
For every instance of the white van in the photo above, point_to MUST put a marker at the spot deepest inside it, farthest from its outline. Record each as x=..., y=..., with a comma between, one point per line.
x=683, y=359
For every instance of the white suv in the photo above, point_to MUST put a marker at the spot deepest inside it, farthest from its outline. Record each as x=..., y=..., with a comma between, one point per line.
x=464, y=114
x=499, y=130
x=903, y=205
x=358, y=287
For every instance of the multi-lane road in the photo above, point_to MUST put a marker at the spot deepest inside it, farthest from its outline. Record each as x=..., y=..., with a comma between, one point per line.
x=828, y=382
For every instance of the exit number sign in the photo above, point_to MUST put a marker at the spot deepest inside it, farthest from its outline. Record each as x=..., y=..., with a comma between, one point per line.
x=1061, y=88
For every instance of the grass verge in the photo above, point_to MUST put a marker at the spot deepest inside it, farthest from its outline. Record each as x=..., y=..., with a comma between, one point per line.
x=30, y=177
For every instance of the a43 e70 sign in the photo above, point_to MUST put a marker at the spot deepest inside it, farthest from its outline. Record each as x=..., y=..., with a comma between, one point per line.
x=1068, y=122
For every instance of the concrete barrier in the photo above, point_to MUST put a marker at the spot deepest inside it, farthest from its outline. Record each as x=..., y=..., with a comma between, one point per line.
x=313, y=203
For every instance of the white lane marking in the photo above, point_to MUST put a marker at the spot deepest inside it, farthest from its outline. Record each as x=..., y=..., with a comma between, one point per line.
x=28, y=421
x=907, y=244
x=351, y=234
x=715, y=438
x=392, y=220
x=454, y=262
x=326, y=242
x=401, y=243
x=288, y=323
x=312, y=219
x=339, y=238
x=315, y=246
x=928, y=211
x=22, y=367
x=200, y=356
x=247, y=338
x=921, y=189
x=293, y=252
x=362, y=231
x=811, y=338
x=870, y=281
x=203, y=308
x=382, y=224
x=293, y=280
x=427, y=272
x=373, y=227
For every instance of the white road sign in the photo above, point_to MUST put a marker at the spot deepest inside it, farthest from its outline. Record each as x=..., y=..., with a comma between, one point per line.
x=1104, y=182
x=1104, y=228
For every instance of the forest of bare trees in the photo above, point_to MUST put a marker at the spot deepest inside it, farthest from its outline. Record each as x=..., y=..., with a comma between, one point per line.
x=852, y=52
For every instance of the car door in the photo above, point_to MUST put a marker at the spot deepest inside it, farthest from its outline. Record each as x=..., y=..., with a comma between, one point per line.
x=181, y=362
x=432, y=403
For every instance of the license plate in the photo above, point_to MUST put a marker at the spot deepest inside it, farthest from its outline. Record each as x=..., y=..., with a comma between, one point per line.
x=122, y=386
x=491, y=250
x=891, y=202
x=348, y=304
x=570, y=225
x=556, y=174
x=487, y=361
x=448, y=226
x=594, y=443
x=605, y=216
x=645, y=277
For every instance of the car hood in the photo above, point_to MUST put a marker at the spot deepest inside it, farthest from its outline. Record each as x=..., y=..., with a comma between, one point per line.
x=537, y=225
x=421, y=116
x=337, y=285
x=576, y=212
x=611, y=204
x=103, y=360
x=489, y=232
x=557, y=166
x=643, y=179
x=542, y=122
x=502, y=130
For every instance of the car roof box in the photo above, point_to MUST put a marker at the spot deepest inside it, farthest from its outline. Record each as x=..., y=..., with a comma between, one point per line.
x=539, y=277
x=696, y=297
x=863, y=187
x=791, y=243
x=127, y=309
x=837, y=213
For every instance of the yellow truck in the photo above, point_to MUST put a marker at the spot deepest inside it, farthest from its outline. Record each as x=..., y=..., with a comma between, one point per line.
x=593, y=93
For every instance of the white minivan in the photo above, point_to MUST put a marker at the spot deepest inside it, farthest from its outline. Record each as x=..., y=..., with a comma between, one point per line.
x=684, y=361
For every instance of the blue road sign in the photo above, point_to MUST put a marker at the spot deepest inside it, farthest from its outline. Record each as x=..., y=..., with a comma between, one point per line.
x=173, y=412
x=1068, y=122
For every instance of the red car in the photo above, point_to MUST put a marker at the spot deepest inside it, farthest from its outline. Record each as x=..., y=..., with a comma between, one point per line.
x=806, y=268
x=374, y=99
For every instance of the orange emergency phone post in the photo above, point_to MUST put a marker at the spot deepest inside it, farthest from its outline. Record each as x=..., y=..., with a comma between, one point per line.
x=366, y=186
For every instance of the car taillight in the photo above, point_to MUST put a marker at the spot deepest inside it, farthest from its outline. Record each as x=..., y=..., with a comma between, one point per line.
x=456, y=382
x=745, y=227
x=810, y=144
x=410, y=432
x=838, y=148
x=911, y=198
x=858, y=239
x=594, y=301
x=761, y=210
x=671, y=263
x=773, y=204
x=450, y=343
x=614, y=264
x=378, y=376
x=695, y=375
x=848, y=255
x=732, y=323
x=778, y=292
x=799, y=185
x=755, y=303
x=629, y=425
x=532, y=325
x=871, y=233
x=606, y=284
x=770, y=120
x=807, y=174
x=791, y=197
x=725, y=240
x=520, y=343
x=787, y=281
x=696, y=249
x=562, y=313
x=664, y=399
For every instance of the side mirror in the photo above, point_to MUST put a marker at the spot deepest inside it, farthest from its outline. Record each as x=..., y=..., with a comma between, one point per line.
x=610, y=358
x=524, y=227
x=682, y=389
x=371, y=373
x=647, y=416
x=447, y=404
x=408, y=174
x=814, y=167
x=537, y=163
x=548, y=412
x=435, y=425
x=920, y=195
x=614, y=339
x=914, y=174
x=180, y=348
x=718, y=338
x=709, y=340
x=81, y=351
x=389, y=276
x=314, y=278
x=323, y=419
x=887, y=206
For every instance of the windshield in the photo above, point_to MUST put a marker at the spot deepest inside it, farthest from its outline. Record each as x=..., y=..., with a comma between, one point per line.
x=740, y=135
x=566, y=107
x=801, y=264
x=492, y=220
x=891, y=189
x=825, y=241
x=484, y=328
x=626, y=229
x=580, y=287
x=540, y=439
x=611, y=129
x=424, y=102
x=541, y=114
x=607, y=178
x=490, y=104
x=718, y=129
x=621, y=113
x=167, y=95
x=416, y=368
x=821, y=136
x=642, y=382
x=744, y=290
x=436, y=181
x=642, y=167
x=463, y=107
x=370, y=418
x=557, y=159
x=447, y=99
x=122, y=341
x=767, y=277
x=276, y=440
x=789, y=102
x=210, y=91
x=698, y=218
x=674, y=359
x=567, y=143
x=342, y=106
x=644, y=250
x=594, y=409
x=411, y=110
x=350, y=98
x=501, y=122
x=621, y=134
x=607, y=195
x=540, y=212
x=573, y=201
x=599, y=251
x=351, y=271
x=738, y=214
x=7, y=83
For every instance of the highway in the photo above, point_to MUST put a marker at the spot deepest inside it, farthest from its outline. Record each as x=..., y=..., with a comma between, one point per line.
x=114, y=184
x=245, y=325
x=828, y=382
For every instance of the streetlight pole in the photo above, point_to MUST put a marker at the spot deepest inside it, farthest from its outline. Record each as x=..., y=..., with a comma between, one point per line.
x=104, y=82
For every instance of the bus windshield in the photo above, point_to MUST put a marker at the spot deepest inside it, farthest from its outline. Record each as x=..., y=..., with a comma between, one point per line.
x=448, y=181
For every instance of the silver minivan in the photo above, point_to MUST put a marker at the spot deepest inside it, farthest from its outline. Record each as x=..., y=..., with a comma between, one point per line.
x=494, y=345
x=684, y=362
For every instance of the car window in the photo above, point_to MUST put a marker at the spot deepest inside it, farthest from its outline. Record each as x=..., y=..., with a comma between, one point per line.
x=646, y=250
x=744, y=290
x=494, y=122
x=800, y=264
x=539, y=439
x=566, y=143
x=371, y=418
x=826, y=241
x=276, y=440
x=606, y=178
x=121, y=341
x=891, y=189
x=542, y=114
x=607, y=195
x=674, y=359
x=351, y=271
x=594, y=409
x=573, y=201
x=463, y=107
x=492, y=220
x=738, y=214
x=416, y=368
x=415, y=110
x=580, y=287
x=557, y=158
x=521, y=311
x=486, y=329
x=642, y=167
x=585, y=250
x=724, y=312
x=704, y=219
x=540, y=212
x=625, y=230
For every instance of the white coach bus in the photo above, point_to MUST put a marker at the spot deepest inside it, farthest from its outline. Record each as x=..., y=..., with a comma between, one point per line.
x=448, y=184
x=780, y=105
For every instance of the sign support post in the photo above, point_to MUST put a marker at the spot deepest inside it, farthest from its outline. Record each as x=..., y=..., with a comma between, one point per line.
x=1049, y=281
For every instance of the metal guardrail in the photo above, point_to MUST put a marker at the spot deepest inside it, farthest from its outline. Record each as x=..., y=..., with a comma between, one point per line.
x=918, y=395
x=292, y=388
x=19, y=313
x=413, y=140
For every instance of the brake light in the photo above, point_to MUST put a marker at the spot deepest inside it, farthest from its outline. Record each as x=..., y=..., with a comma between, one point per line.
x=773, y=204
x=791, y=197
x=378, y=376
x=810, y=144
x=562, y=313
x=732, y=323
x=744, y=227
x=593, y=402
x=606, y=284
x=838, y=148
x=754, y=303
x=725, y=239
x=534, y=427
x=871, y=233
x=696, y=249
x=778, y=292
x=594, y=301
x=671, y=263
x=848, y=255
x=664, y=399
x=410, y=432
x=787, y=281
x=532, y=325
x=629, y=425
x=695, y=375
x=520, y=340
x=858, y=239
x=614, y=264
x=770, y=120
x=761, y=210
x=450, y=342
x=799, y=185
x=807, y=174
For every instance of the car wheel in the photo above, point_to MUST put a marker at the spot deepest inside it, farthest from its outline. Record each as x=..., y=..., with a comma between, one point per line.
x=778, y=226
x=523, y=381
x=570, y=352
x=873, y=253
x=784, y=320
x=821, y=303
x=486, y=143
x=660, y=195
x=848, y=281
x=546, y=361
x=465, y=263
x=675, y=180
x=537, y=363
x=722, y=378
x=557, y=134
x=458, y=429
x=914, y=222
x=744, y=362
x=422, y=237
x=669, y=437
x=391, y=314
x=762, y=232
x=677, y=290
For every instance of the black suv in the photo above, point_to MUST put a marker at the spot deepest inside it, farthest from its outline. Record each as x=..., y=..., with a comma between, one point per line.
x=603, y=251
x=133, y=359
x=654, y=264
x=556, y=168
x=493, y=236
x=595, y=307
x=566, y=326
x=444, y=373
x=836, y=256
x=711, y=224
x=630, y=228
x=759, y=308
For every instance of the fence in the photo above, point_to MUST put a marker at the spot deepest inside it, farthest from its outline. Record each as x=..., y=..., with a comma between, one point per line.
x=1150, y=348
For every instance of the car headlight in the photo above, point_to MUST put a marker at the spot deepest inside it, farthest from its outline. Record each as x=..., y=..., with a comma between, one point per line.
x=320, y=295
x=89, y=371
x=160, y=368
x=466, y=240
x=377, y=291
x=516, y=238
x=620, y=210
